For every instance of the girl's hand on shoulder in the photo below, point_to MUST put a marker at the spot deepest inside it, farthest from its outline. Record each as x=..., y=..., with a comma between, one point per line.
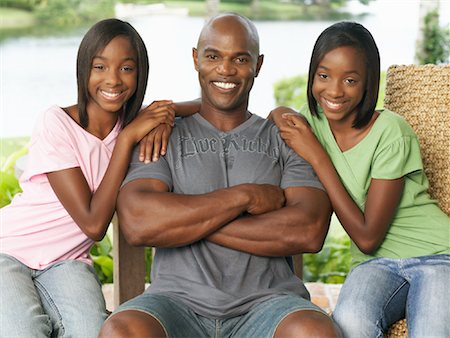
x=298, y=135
x=157, y=113
x=276, y=115
x=154, y=143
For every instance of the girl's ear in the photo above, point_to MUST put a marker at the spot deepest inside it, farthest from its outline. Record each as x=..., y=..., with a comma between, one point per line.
x=195, y=58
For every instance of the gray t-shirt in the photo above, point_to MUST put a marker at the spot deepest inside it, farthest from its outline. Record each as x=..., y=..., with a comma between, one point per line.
x=216, y=281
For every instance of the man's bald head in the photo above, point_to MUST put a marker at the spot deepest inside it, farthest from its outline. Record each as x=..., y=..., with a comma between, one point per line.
x=231, y=22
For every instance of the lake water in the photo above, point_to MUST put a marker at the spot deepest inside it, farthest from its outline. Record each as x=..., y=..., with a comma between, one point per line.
x=39, y=72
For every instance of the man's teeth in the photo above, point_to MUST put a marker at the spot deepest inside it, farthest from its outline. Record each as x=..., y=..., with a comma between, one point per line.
x=225, y=85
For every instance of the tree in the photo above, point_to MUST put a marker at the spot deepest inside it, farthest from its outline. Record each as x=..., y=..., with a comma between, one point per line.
x=433, y=42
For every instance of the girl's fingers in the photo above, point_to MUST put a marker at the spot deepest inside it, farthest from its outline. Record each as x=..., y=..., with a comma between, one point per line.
x=159, y=103
x=164, y=114
x=299, y=119
x=292, y=118
x=161, y=139
x=154, y=144
x=165, y=140
x=142, y=144
x=157, y=143
x=287, y=115
x=149, y=146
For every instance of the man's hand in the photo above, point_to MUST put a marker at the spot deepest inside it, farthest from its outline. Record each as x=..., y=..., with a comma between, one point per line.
x=264, y=198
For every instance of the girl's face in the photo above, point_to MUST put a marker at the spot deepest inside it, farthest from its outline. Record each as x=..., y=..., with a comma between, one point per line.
x=113, y=76
x=339, y=83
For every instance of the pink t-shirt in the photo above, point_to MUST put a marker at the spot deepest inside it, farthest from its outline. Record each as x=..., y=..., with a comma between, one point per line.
x=35, y=227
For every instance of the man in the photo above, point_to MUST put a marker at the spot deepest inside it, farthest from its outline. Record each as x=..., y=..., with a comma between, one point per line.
x=224, y=207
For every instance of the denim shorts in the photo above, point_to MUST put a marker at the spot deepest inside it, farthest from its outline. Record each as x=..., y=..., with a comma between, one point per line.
x=178, y=320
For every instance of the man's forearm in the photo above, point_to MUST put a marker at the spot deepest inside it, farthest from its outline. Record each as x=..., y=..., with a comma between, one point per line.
x=297, y=228
x=151, y=216
x=164, y=219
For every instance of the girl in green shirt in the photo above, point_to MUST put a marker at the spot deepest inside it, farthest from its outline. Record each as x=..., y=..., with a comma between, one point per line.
x=369, y=162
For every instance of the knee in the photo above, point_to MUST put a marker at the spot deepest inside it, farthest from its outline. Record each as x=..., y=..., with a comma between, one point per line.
x=128, y=324
x=307, y=324
x=115, y=326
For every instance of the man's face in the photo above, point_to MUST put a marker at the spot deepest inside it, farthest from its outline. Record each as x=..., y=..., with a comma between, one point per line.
x=227, y=62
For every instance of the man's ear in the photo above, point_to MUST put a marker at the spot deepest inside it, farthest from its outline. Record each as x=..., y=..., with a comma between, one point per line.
x=259, y=64
x=195, y=58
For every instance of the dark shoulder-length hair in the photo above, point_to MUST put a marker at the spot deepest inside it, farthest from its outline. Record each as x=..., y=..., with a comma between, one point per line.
x=355, y=35
x=95, y=40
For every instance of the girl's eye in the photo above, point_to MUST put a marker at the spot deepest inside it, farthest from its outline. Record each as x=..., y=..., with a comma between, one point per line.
x=322, y=76
x=350, y=81
x=127, y=69
x=98, y=67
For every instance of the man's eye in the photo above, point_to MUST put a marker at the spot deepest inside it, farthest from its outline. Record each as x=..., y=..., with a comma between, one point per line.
x=241, y=60
x=211, y=57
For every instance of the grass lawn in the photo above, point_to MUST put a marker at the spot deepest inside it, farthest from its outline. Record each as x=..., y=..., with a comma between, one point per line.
x=15, y=18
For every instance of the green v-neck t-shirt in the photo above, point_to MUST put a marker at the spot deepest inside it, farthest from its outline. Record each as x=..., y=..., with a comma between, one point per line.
x=389, y=151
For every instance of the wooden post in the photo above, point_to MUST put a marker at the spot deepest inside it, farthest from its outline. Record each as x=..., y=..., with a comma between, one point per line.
x=298, y=265
x=129, y=267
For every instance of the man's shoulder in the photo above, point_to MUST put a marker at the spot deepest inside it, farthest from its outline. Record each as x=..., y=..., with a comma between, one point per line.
x=261, y=122
x=185, y=122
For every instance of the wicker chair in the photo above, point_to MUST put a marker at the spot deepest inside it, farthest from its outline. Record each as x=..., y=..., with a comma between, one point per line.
x=421, y=94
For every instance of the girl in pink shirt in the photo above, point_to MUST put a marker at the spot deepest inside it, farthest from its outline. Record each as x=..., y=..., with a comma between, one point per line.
x=78, y=158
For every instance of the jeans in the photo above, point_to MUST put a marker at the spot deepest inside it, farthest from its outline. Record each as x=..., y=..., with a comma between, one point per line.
x=178, y=320
x=381, y=291
x=63, y=300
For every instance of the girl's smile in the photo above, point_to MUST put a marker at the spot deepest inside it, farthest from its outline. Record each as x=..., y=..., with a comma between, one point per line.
x=113, y=77
x=339, y=83
x=110, y=95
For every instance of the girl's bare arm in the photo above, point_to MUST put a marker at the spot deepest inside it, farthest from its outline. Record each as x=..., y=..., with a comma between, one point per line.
x=366, y=228
x=92, y=211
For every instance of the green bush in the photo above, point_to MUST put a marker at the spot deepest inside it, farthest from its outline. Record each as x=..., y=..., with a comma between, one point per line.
x=291, y=91
x=148, y=263
x=331, y=264
x=27, y=5
x=9, y=185
x=101, y=254
x=61, y=13
x=435, y=46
